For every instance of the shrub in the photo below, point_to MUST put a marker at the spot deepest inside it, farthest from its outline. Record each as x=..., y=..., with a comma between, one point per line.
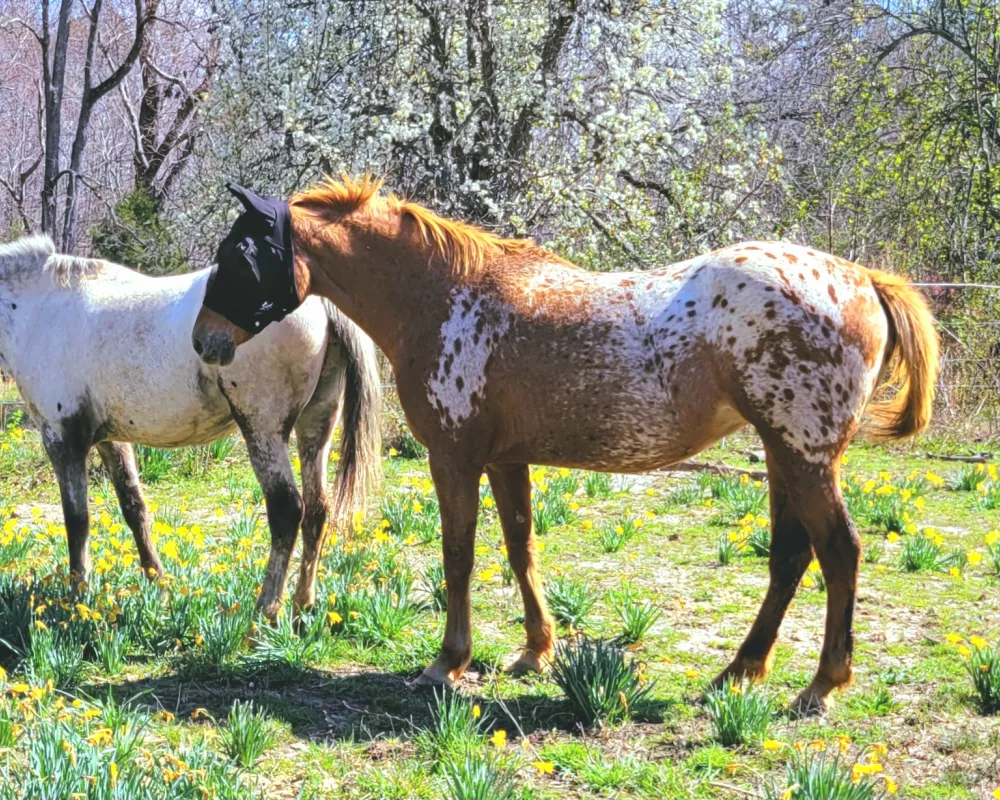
x=601, y=685
x=570, y=600
x=739, y=714
x=136, y=235
x=247, y=734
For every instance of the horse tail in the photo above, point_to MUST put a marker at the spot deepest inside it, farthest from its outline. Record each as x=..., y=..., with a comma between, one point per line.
x=912, y=351
x=360, y=466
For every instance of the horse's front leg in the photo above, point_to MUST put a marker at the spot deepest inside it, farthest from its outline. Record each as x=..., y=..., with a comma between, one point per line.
x=271, y=465
x=457, y=485
x=69, y=460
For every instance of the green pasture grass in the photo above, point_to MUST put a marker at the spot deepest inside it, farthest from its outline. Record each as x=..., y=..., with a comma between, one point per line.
x=335, y=685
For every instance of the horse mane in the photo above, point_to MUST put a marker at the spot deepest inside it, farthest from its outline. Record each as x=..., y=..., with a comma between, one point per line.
x=64, y=269
x=464, y=247
x=32, y=254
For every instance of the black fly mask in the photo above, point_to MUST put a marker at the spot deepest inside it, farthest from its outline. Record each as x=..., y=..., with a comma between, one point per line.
x=253, y=281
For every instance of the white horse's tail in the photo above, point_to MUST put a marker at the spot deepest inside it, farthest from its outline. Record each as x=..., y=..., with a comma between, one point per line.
x=360, y=466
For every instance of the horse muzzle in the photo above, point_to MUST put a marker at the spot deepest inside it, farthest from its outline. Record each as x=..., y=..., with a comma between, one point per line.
x=214, y=348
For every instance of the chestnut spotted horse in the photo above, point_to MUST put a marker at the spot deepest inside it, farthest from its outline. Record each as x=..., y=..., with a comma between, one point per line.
x=506, y=355
x=101, y=357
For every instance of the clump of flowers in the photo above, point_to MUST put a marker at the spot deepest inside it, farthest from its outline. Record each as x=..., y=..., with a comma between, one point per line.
x=986, y=485
x=886, y=502
x=821, y=770
x=982, y=663
x=752, y=537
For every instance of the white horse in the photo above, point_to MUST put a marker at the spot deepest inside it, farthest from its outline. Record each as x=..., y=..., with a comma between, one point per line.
x=102, y=357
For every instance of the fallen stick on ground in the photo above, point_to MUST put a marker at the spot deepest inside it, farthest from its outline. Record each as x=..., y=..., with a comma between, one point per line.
x=718, y=469
x=975, y=458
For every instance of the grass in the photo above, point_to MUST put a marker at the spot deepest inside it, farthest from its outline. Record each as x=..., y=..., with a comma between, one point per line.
x=161, y=664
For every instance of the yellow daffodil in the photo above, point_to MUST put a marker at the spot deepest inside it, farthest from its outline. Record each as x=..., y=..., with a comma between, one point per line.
x=499, y=739
x=546, y=768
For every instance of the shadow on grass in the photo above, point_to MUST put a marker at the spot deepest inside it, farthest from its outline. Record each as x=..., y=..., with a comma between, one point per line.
x=360, y=704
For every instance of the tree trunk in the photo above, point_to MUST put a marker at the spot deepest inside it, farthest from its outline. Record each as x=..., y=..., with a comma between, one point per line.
x=89, y=98
x=54, y=79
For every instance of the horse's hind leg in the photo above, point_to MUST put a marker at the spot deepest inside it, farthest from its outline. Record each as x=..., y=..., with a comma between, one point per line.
x=313, y=431
x=512, y=490
x=271, y=465
x=119, y=458
x=838, y=549
x=791, y=552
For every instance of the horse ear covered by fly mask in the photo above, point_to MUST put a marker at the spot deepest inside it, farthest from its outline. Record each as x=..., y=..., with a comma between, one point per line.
x=253, y=281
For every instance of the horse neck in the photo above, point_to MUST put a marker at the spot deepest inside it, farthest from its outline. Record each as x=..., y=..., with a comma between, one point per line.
x=379, y=275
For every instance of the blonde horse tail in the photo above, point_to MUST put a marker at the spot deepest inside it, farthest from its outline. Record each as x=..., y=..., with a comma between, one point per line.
x=912, y=359
x=360, y=466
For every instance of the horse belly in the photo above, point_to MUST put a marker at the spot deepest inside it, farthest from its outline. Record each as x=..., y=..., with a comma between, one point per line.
x=628, y=422
x=177, y=418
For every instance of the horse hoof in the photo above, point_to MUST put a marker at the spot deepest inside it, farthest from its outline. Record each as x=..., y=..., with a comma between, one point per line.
x=811, y=703
x=433, y=676
x=528, y=661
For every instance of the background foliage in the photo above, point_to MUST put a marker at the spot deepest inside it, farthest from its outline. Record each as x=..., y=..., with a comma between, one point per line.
x=622, y=132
